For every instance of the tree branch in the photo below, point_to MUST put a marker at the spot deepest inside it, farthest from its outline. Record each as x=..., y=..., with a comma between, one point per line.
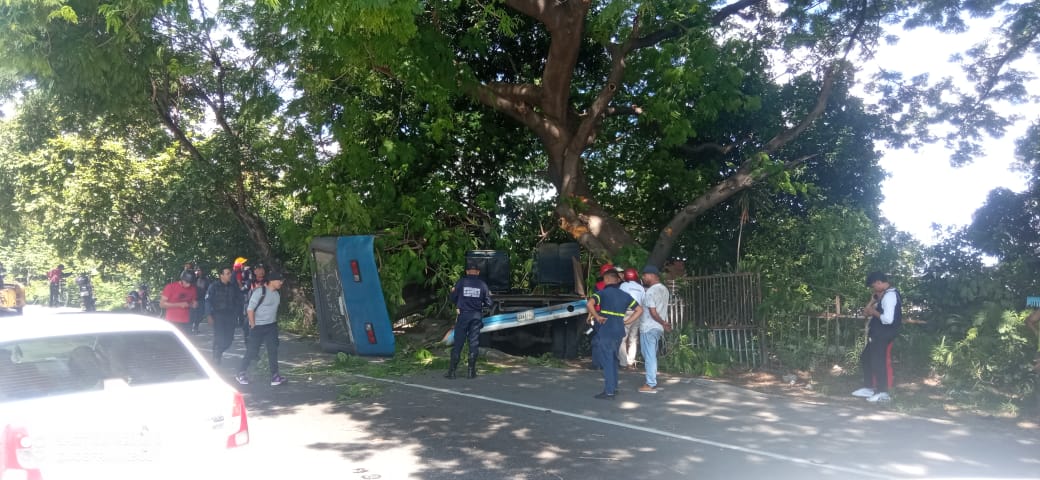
x=786, y=136
x=513, y=100
x=704, y=148
x=676, y=29
x=585, y=134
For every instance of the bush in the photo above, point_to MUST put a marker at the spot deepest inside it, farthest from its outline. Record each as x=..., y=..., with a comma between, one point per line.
x=994, y=354
x=683, y=358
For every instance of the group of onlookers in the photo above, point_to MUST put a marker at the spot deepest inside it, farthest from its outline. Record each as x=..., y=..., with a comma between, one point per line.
x=629, y=314
x=241, y=296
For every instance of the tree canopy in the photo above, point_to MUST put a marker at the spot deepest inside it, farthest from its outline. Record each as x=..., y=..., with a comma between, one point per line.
x=710, y=132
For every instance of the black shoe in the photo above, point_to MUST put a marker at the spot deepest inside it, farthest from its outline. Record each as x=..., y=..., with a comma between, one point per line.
x=450, y=375
x=604, y=396
x=472, y=373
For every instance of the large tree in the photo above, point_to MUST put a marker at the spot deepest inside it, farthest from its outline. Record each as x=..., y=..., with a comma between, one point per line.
x=580, y=75
x=132, y=66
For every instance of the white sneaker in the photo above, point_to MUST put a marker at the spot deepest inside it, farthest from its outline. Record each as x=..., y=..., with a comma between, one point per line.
x=864, y=393
x=880, y=397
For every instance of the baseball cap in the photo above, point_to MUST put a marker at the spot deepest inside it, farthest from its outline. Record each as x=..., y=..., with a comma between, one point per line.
x=275, y=275
x=472, y=264
x=651, y=269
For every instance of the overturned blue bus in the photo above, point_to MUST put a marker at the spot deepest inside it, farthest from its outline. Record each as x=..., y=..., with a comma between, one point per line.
x=348, y=297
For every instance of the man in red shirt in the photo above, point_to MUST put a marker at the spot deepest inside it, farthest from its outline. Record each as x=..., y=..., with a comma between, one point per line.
x=56, y=276
x=178, y=298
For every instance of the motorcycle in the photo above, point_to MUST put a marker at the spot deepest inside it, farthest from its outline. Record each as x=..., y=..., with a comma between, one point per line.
x=138, y=301
x=86, y=292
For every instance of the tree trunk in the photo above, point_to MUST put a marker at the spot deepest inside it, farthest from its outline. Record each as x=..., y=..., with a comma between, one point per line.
x=580, y=214
x=236, y=201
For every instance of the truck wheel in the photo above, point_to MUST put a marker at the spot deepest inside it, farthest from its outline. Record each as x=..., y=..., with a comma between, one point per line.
x=565, y=338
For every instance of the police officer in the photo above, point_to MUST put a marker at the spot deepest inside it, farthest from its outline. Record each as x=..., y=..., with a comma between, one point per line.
x=470, y=295
x=223, y=306
x=609, y=325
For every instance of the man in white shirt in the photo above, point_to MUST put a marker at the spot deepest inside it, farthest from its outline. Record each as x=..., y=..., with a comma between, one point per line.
x=629, y=344
x=653, y=324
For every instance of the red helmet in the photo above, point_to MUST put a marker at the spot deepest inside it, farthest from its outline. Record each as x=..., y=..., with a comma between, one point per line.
x=631, y=275
x=606, y=268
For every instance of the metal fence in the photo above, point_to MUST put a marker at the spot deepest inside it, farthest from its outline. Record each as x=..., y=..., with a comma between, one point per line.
x=832, y=336
x=722, y=308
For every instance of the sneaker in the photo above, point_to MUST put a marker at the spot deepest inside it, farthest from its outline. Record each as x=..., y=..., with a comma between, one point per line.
x=604, y=396
x=242, y=379
x=864, y=393
x=647, y=389
x=277, y=380
x=880, y=397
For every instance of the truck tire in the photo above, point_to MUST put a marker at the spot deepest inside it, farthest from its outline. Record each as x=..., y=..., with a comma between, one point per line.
x=565, y=338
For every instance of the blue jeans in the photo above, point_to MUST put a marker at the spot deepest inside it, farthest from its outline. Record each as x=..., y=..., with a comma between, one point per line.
x=648, y=343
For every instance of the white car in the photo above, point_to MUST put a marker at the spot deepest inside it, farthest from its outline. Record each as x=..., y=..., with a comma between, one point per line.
x=106, y=395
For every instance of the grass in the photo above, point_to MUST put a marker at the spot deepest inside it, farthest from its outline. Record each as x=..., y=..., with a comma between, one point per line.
x=546, y=360
x=354, y=391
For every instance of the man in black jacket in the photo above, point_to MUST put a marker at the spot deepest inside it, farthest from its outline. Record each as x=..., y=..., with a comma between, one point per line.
x=470, y=295
x=223, y=305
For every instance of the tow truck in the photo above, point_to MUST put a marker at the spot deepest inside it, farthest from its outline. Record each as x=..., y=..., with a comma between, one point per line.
x=551, y=313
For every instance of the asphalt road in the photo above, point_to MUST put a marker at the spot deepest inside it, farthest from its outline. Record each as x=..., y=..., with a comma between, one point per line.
x=542, y=423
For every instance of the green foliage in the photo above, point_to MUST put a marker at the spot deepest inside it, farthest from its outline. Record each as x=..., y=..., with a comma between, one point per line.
x=355, y=391
x=994, y=354
x=682, y=358
x=545, y=360
x=800, y=353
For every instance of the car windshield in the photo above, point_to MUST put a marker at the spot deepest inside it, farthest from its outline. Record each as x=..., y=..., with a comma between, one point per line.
x=49, y=366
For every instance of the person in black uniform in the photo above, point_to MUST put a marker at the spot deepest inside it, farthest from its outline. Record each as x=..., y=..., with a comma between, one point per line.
x=223, y=305
x=470, y=295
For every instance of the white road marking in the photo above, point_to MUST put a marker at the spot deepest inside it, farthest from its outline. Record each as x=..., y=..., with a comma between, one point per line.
x=652, y=431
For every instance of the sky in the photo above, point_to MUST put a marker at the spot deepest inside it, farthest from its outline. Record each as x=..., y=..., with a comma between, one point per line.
x=922, y=187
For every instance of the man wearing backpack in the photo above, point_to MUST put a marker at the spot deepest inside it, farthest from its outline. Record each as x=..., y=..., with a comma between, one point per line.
x=262, y=312
x=223, y=307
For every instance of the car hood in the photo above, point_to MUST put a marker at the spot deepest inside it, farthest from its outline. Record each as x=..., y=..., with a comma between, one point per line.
x=161, y=431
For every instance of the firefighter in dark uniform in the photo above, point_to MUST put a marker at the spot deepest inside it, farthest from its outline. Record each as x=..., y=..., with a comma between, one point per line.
x=609, y=326
x=470, y=295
